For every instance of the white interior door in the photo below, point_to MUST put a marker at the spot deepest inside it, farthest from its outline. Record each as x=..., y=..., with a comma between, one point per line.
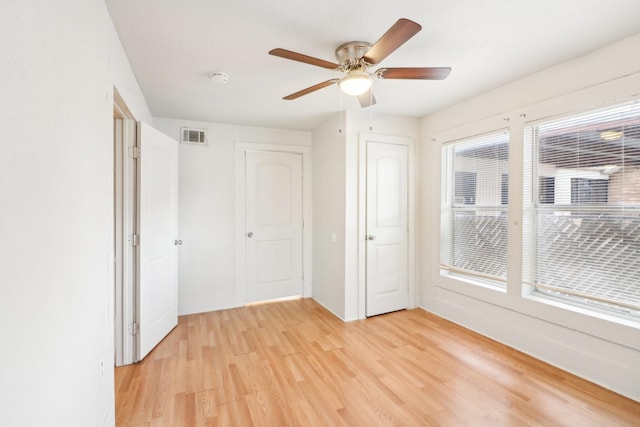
x=158, y=227
x=386, y=228
x=273, y=225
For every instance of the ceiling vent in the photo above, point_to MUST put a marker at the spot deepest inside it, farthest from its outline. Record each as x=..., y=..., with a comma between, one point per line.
x=193, y=136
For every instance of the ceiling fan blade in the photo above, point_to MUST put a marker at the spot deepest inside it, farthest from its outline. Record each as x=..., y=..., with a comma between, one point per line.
x=367, y=99
x=294, y=56
x=426, y=73
x=310, y=89
x=395, y=37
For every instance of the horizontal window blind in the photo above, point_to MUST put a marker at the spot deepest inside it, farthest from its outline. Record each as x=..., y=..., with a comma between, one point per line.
x=474, y=201
x=582, y=208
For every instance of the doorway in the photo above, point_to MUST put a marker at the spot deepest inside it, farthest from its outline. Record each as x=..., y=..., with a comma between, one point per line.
x=145, y=235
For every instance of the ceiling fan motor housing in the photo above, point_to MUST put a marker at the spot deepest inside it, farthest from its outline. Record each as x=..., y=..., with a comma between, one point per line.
x=350, y=55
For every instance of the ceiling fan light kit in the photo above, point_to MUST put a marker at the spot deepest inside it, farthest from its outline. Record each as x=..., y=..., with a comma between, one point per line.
x=356, y=83
x=354, y=59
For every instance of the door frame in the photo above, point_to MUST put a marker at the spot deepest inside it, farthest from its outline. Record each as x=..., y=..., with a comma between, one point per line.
x=125, y=226
x=240, y=148
x=363, y=138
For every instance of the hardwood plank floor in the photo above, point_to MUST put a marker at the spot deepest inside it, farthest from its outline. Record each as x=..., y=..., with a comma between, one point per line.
x=293, y=363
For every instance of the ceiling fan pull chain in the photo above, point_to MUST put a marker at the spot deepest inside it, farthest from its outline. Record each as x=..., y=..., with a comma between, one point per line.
x=340, y=112
x=370, y=110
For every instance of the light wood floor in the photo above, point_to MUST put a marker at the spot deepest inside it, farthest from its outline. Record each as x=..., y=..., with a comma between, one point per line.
x=293, y=363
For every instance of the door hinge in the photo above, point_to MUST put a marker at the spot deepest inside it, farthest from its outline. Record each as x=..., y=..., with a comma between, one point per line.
x=133, y=328
x=134, y=240
x=134, y=152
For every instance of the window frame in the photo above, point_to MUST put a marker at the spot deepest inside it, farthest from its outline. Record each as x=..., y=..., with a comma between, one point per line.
x=461, y=277
x=531, y=178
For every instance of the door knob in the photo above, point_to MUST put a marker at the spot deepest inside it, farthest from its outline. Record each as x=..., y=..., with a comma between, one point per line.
x=371, y=237
x=250, y=234
x=177, y=242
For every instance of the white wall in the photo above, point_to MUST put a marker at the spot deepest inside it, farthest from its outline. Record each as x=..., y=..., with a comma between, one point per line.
x=600, y=350
x=123, y=77
x=336, y=204
x=329, y=215
x=56, y=211
x=207, y=218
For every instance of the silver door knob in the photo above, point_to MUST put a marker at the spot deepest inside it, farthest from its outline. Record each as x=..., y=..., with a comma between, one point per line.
x=371, y=237
x=177, y=242
x=250, y=234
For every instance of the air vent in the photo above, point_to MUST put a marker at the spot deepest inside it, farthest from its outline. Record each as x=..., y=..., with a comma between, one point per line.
x=193, y=136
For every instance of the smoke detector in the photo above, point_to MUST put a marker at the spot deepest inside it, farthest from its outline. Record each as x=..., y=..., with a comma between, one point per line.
x=219, y=77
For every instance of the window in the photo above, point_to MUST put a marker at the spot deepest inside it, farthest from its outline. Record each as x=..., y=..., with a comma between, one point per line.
x=465, y=188
x=474, y=201
x=581, y=225
x=586, y=190
x=547, y=189
x=504, y=189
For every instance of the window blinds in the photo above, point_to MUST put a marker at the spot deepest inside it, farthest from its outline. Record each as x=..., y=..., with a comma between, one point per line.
x=581, y=224
x=474, y=203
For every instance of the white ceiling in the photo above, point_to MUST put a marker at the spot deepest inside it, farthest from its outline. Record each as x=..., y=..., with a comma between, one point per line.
x=174, y=45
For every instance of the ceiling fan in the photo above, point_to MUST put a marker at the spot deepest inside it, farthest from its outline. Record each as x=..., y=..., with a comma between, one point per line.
x=354, y=59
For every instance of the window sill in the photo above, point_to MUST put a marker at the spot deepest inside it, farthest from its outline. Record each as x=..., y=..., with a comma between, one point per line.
x=475, y=281
x=580, y=309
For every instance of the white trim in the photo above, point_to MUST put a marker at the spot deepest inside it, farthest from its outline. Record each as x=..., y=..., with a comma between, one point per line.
x=118, y=243
x=239, y=191
x=125, y=186
x=363, y=138
x=326, y=307
x=131, y=253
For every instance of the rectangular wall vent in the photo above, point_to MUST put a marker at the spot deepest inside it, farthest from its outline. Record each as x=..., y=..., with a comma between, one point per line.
x=193, y=136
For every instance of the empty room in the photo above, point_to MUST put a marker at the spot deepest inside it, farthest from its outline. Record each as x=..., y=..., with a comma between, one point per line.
x=288, y=213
